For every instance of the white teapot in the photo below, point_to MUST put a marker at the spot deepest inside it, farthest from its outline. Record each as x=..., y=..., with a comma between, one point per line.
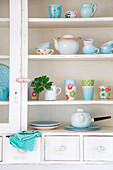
x=81, y=119
x=68, y=44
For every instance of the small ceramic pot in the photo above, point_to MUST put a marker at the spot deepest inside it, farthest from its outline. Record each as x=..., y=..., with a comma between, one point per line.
x=33, y=96
x=90, y=50
x=70, y=92
x=3, y=93
x=104, y=92
x=70, y=14
x=44, y=51
x=88, y=92
x=88, y=10
x=55, y=11
x=89, y=42
x=87, y=82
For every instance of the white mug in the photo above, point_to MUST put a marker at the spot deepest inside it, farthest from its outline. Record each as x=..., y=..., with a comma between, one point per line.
x=89, y=42
x=52, y=93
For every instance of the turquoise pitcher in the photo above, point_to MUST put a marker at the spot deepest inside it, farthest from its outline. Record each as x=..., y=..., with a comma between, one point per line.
x=88, y=10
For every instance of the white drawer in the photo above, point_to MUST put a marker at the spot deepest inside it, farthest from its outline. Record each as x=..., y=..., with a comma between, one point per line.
x=0, y=149
x=98, y=148
x=13, y=155
x=61, y=148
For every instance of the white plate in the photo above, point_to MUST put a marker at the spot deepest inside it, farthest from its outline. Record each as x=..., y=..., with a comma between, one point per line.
x=45, y=128
x=44, y=123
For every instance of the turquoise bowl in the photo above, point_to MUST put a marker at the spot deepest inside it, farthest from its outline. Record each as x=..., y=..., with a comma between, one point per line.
x=43, y=46
x=88, y=93
x=106, y=49
x=90, y=50
x=55, y=11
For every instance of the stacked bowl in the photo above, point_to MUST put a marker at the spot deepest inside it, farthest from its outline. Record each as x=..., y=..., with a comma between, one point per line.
x=88, y=89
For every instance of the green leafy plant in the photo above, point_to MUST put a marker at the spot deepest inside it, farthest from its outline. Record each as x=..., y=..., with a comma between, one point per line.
x=41, y=83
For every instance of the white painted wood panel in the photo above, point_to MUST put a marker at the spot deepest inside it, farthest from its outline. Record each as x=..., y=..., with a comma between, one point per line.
x=1, y=148
x=98, y=148
x=13, y=155
x=62, y=148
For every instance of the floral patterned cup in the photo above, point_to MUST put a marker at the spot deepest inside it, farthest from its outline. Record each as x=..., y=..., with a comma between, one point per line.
x=44, y=51
x=70, y=91
x=104, y=92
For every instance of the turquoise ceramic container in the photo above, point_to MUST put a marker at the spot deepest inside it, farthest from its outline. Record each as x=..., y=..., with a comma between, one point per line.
x=88, y=10
x=55, y=11
x=3, y=93
x=90, y=50
x=107, y=49
x=88, y=92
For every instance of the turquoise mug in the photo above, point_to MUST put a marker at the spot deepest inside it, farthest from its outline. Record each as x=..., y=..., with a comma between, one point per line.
x=88, y=10
x=55, y=11
x=90, y=50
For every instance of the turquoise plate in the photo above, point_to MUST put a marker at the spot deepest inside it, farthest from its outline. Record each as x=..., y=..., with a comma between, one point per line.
x=90, y=128
x=44, y=123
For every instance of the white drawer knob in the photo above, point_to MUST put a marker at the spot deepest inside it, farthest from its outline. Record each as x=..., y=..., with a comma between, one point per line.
x=101, y=148
x=62, y=148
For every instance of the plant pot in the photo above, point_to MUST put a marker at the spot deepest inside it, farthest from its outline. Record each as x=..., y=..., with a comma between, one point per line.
x=33, y=96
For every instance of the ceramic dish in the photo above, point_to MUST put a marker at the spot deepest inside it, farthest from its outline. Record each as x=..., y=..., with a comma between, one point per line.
x=44, y=51
x=45, y=128
x=44, y=123
x=90, y=128
x=44, y=46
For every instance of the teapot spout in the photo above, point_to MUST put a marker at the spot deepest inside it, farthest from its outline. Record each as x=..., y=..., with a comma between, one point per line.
x=56, y=44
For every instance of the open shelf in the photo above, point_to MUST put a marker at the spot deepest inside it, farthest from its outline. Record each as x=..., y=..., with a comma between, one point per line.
x=72, y=57
x=75, y=102
x=70, y=22
x=4, y=22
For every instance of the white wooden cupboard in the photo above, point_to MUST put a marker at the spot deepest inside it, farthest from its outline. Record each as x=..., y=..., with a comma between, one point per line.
x=24, y=24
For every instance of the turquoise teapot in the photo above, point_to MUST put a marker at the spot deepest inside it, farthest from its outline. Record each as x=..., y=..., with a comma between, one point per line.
x=88, y=10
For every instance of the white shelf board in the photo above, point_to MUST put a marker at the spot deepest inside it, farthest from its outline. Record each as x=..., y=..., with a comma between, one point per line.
x=4, y=22
x=72, y=57
x=75, y=102
x=4, y=103
x=4, y=57
x=70, y=22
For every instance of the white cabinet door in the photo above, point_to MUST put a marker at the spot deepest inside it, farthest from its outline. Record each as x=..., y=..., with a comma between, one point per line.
x=0, y=148
x=13, y=155
x=62, y=148
x=98, y=148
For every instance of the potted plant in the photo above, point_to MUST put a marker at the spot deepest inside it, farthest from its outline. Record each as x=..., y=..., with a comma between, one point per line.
x=38, y=85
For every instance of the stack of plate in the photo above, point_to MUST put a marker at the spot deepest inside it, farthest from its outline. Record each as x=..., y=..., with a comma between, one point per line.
x=43, y=125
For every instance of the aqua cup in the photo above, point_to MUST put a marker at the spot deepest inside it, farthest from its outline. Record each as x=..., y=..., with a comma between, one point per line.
x=55, y=11
x=88, y=92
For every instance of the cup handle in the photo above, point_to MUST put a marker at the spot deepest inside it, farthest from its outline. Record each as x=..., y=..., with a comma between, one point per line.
x=111, y=51
x=94, y=9
x=60, y=90
x=51, y=52
x=97, y=51
x=75, y=13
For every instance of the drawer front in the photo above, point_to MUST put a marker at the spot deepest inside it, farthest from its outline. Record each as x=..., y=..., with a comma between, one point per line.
x=0, y=149
x=63, y=148
x=13, y=155
x=98, y=148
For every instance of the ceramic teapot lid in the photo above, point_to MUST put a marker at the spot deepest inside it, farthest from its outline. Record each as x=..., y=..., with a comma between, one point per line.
x=69, y=37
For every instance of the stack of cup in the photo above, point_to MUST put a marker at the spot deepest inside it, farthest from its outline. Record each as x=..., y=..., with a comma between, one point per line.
x=104, y=92
x=88, y=89
x=70, y=89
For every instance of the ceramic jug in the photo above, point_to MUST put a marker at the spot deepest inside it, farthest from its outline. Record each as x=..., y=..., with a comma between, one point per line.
x=88, y=10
